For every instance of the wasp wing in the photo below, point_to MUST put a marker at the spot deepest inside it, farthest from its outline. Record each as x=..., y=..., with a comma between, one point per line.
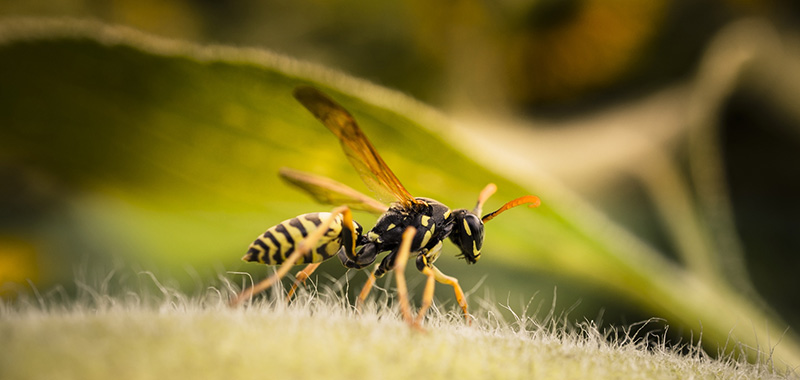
x=328, y=191
x=362, y=155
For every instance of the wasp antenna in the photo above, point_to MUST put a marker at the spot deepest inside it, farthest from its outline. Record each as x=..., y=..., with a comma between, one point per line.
x=485, y=194
x=531, y=200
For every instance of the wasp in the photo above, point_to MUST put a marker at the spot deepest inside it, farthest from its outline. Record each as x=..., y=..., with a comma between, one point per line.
x=407, y=225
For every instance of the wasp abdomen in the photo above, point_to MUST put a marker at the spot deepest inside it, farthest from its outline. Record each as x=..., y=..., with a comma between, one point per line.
x=278, y=242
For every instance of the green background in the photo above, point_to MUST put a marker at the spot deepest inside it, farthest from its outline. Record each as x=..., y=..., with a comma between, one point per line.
x=122, y=153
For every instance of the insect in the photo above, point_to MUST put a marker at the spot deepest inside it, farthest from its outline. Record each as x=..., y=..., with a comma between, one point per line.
x=407, y=226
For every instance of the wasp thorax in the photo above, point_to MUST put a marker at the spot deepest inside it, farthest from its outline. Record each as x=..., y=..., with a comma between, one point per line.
x=467, y=234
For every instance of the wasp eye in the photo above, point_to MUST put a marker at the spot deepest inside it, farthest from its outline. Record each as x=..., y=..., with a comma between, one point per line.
x=468, y=235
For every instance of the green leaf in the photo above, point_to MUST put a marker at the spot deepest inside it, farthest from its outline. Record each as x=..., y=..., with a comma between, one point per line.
x=119, y=145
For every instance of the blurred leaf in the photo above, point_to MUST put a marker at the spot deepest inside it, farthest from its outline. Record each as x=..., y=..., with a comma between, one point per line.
x=119, y=145
x=175, y=156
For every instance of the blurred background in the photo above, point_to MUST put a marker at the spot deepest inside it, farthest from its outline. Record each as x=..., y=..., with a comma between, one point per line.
x=670, y=117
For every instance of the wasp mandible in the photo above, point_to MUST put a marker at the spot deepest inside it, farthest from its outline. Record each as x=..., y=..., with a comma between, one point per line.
x=407, y=226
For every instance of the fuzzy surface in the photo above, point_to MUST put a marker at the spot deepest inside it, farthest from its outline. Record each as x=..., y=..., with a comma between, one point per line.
x=318, y=337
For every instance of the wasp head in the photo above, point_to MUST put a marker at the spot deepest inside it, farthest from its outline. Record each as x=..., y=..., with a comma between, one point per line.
x=467, y=235
x=468, y=226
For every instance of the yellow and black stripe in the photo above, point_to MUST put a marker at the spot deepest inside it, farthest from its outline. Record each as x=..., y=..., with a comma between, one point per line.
x=275, y=245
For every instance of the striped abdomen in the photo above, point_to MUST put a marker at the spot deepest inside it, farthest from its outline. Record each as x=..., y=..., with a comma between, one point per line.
x=275, y=245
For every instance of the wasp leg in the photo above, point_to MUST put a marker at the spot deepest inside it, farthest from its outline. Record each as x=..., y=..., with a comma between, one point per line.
x=302, y=248
x=399, y=267
x=366, y=289
x=434, y=273
x=348, y=234
x=396, y=260
x=427, y=294
x=301, y=278
x=385, y=265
